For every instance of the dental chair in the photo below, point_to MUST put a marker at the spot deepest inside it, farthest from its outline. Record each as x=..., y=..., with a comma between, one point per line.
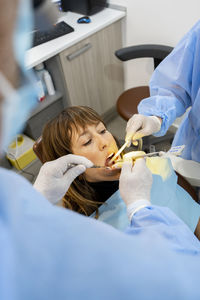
x=37, y=148
x=128, y=101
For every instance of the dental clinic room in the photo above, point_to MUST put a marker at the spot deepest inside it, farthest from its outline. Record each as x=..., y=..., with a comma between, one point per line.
x=100, y=149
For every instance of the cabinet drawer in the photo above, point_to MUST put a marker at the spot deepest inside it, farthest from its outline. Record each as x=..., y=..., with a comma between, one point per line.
x=93, y=75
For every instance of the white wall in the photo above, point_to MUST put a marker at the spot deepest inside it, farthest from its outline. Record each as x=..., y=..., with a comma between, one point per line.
x=154, y=21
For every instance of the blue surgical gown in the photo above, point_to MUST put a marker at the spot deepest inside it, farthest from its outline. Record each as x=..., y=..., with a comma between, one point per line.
x=50, y=253
x=174, y=87
x=165, y=193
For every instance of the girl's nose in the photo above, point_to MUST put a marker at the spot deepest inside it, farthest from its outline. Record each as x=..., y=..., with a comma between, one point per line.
x=103, y=143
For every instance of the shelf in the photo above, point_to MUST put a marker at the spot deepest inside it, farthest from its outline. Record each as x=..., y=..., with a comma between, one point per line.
x=100, y=20
x=46, y=102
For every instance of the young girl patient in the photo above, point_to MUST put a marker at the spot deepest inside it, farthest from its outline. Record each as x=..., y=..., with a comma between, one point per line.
x=81, y=131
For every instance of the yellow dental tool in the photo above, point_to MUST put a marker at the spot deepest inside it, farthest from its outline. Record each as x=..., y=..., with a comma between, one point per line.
x=123, y=147
x=119, y=151
x=133, y=155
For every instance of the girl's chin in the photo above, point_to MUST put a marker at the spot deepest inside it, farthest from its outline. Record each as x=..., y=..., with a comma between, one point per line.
x=111, y=172
x=102, y=174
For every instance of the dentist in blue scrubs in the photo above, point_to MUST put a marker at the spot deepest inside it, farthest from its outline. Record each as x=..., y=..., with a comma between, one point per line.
x=48, y=252
x=174, y=87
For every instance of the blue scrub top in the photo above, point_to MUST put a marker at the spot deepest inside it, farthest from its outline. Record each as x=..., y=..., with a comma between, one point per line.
x=174, y=87
x=165, y=193
x=49, y=252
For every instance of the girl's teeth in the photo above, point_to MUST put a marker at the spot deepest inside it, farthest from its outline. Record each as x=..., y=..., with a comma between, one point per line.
x=111, y=155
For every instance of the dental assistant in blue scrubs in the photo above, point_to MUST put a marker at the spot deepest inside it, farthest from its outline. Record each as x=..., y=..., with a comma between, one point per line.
x=174, y=87
x=48, y=252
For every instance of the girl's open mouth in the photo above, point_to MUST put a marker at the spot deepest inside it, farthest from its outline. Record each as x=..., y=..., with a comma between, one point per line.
x=108, y=159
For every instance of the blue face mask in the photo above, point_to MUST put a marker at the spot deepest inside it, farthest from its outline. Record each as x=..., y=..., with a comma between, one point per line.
x=16, y=108
x=24, y=26
x=17, y=104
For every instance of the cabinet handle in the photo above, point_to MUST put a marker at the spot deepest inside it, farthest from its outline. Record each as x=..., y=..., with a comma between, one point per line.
x=79, y=52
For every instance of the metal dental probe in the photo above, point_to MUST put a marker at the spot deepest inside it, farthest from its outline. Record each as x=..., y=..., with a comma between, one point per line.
x=71, y=165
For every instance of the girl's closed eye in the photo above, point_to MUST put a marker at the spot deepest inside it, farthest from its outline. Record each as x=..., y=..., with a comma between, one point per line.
x=103, y=131
x=88, y=142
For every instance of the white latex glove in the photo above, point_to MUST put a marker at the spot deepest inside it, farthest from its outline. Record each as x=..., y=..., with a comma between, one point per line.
x=54, y=178
x=135, y=185
x=140, y=125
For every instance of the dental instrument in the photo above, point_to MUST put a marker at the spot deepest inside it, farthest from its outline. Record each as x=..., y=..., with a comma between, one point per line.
x=140, y=156
x=126, y=144
x=119, y=151
x=71, y=165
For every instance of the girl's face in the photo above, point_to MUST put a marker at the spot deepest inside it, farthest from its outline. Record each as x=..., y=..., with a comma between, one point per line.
x=95, y=143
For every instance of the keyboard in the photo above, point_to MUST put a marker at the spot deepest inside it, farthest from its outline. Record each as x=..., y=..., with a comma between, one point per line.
x=54, y=32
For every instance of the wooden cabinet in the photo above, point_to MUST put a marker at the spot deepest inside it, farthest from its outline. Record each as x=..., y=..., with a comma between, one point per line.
x=93, y=75
x=87, y=73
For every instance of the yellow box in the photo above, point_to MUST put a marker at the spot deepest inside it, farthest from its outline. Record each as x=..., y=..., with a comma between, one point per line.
x=24, y=149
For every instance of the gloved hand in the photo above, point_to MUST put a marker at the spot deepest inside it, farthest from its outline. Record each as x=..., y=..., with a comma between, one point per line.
x=55, y=177
x=135, y=185
x=140, y=125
